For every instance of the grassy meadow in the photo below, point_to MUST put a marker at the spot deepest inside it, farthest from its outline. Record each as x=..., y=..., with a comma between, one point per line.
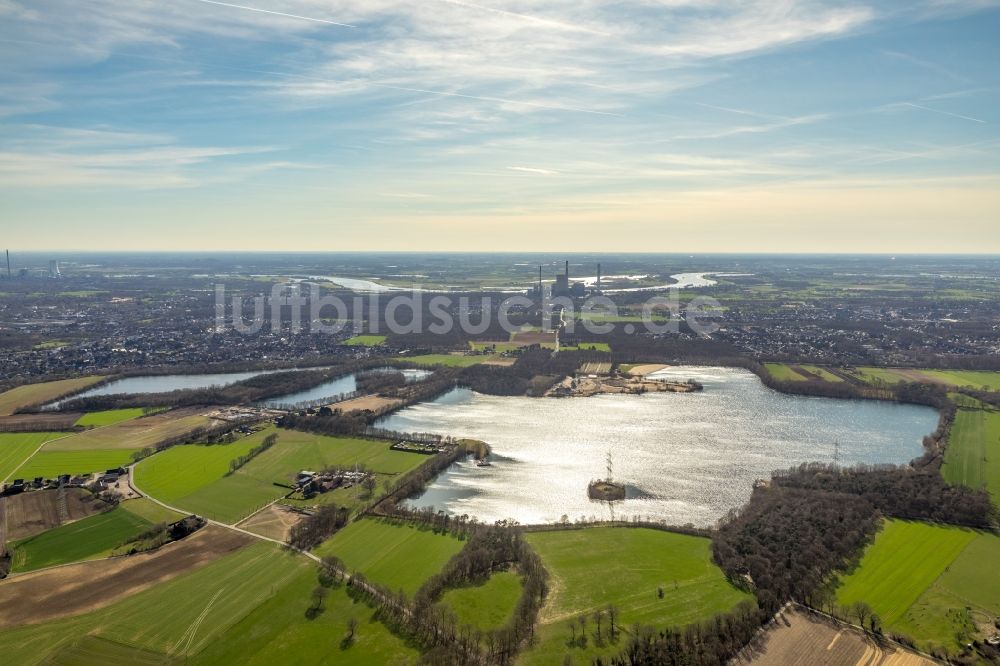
x=787, y=372
x=954, y=378
x=17, y=447
x=973, y=454
x=587, y=346
x=40, y=393
x=178, y=618
x=396, y=556
x=929, y=582
x=84, y=539
x=50, y=464
x=486, y=606
x=109, y=417
x=593, y=568
x=365, y=340
x=450, y=360
x=150, y=511
x=133, y=434
x=195, y=477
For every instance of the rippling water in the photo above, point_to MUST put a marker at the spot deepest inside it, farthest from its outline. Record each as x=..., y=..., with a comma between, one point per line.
x=165, y=383
x=340, y=385
x=687, y=458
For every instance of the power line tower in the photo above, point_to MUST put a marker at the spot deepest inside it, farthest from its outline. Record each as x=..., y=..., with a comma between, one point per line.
x=611, y=468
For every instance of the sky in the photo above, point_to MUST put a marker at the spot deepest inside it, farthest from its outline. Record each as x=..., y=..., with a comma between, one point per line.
x=508, y=125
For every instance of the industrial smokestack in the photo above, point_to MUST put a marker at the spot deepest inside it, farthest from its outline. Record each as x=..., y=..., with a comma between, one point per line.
x=539, y=280
x=598, y=277
x=8, y=264
x=567, y=272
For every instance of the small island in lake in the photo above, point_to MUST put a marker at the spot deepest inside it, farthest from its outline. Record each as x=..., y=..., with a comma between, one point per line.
x=584, y=386
x=606, y=490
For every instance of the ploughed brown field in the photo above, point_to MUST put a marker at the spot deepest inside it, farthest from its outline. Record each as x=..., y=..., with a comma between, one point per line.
x=801, y=638
x=31, y=513
x=39, y=422
x=80, y=588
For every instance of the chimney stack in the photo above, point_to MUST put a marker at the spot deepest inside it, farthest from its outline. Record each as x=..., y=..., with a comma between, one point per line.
x=567, y=272
x=8, y=264
x=598, y=277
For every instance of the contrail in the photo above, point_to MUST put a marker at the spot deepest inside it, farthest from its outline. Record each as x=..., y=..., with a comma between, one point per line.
x=268, y=11
x=946, y=113
x=527, y=17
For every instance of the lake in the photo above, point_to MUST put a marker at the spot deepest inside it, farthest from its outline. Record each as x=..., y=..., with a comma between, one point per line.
x=164, y=384
x=340, y=386
x=685, y=457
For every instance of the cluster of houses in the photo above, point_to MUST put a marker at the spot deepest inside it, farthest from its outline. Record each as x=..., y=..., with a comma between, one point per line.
x=103, y=481
x=425, y=448
x=316, y=483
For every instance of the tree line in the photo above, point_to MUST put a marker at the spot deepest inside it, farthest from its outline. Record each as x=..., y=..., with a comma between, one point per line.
x=240, y=461
x=313, y=530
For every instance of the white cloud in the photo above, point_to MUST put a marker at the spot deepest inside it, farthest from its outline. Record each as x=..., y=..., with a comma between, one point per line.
x=535, y=170
x=57, y=157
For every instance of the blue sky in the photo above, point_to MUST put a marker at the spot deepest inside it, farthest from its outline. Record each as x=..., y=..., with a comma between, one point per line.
x=646, y=125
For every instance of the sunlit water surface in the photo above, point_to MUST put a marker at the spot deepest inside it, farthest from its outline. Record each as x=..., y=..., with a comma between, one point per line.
x=686, y=458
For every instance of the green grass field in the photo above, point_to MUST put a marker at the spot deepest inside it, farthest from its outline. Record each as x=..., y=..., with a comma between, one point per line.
x=51, y=344
x=36, y=394
x=399, y=557
x=973, y=378
x=133, y=434
x=109, y=417
x=785, y=372
x=149, y=510
x=823, y=373
x=277, y=632
x=593, y=568
x=928, y=582
x=450, y=360
x=84, y=539
x=16, y=447
x=50, y=464
x=181, y=470
x=973, y=454
x=180, y=617
x=365, y=340
x=954, y=378
x=194, y=477
x=487, y=606
x=587, y=346
x=494, y=346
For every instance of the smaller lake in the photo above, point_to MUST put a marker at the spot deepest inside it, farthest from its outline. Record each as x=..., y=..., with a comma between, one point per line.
x=165, y=383
x=339, y=386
